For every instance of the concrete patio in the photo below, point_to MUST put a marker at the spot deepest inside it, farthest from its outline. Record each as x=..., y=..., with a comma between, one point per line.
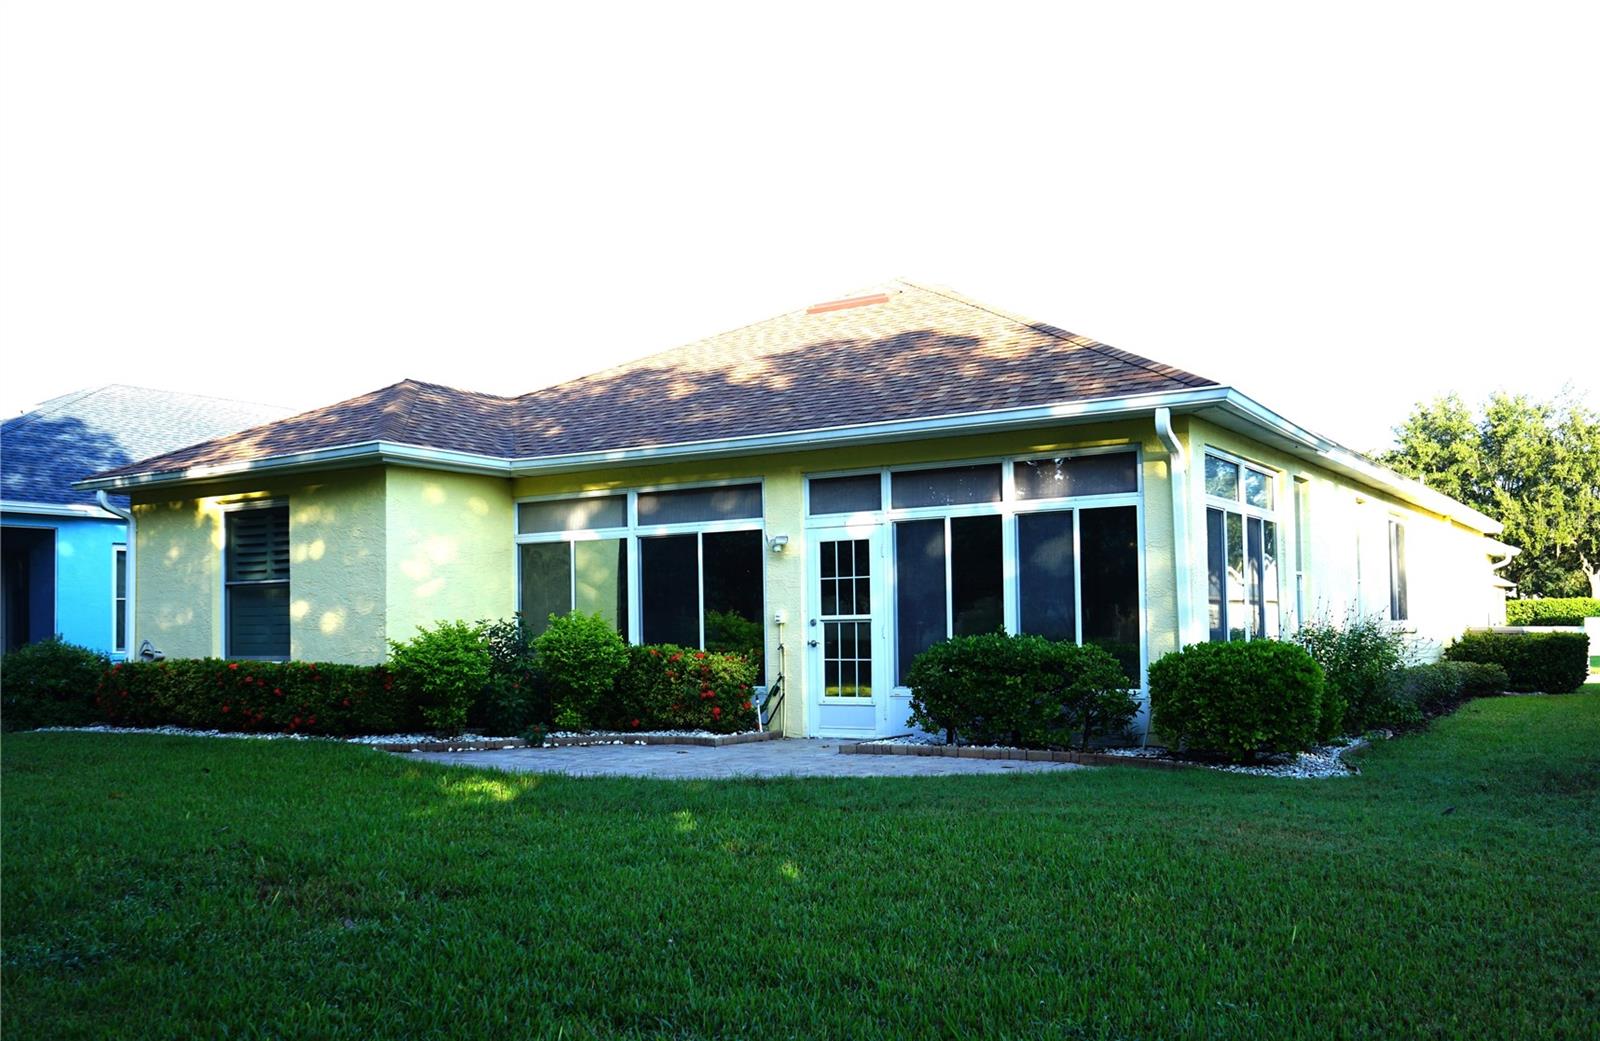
x=787, y=758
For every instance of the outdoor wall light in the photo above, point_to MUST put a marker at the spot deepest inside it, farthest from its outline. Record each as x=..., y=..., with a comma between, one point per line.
x=777, y=542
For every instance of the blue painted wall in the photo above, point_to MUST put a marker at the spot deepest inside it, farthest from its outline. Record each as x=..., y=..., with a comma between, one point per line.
x=85, y=589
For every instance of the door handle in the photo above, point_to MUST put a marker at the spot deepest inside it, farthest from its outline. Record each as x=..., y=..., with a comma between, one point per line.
x=811, y=643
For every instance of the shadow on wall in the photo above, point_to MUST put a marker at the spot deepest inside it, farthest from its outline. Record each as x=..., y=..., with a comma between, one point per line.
x=44, y=456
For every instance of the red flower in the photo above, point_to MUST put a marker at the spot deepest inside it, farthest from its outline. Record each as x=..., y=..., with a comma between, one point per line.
x=716, y=712
x=296, y=722
x=278, y=691
x=636, y=723
x=654, y=653
x=699, y=654
x=346, y=703
x=233, y=665
x=311, y=721
x=224, y=708
x=706, y=695
x=747, y=706
x=676, y=657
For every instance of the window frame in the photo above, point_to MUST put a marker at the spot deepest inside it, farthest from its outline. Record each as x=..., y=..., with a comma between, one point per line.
x=227, y=510
x=1399, y=593
x=632, y=532
x=1009, y=507
x=1241, y=506
x=119, y=604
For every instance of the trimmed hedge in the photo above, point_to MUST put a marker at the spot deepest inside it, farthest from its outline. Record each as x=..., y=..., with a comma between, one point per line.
x=1238, y=699
x=1555, y=663
x=287, y=697
x=49, y=684
x=1022, y=690
x=1571, y=610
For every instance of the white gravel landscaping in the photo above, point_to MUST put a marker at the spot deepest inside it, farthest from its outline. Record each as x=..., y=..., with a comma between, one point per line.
x=631, y=737
x=1322, y=761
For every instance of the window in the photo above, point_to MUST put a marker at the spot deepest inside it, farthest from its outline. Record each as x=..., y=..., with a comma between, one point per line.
x=949, y=486
x=582, y=514
x=119, y=600
x=703, y=590
x=1102, y=474
x=257, y=582
x=557, y=577
x=1241, y=552
x=691, y=505
x=949, y=581
x=1398, y=609
x=861, y=493
x=1096, y=601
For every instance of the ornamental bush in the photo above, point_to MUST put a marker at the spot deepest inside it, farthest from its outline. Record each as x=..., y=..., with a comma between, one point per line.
x=580, y=657
x=665, y=687
x=443, y=671
x=1358, y=656
x=260, y=696
x=515, y=698
x=1022, y=690
x=1438, y=687
x=1570, y=610
x=1555, y=663
x=49, y=684
x=1239, y=700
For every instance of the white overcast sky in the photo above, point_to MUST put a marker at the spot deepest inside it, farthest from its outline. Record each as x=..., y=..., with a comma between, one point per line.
x=1338, y=208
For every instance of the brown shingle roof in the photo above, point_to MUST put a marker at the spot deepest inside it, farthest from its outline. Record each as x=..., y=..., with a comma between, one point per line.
x=908, y=352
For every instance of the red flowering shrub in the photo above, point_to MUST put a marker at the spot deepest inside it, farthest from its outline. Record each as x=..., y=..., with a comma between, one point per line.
x=293, y=697
x=678, y=688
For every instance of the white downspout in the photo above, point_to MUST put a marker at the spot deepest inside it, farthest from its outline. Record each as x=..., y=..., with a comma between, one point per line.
x=1177, y=470
x=127, y=607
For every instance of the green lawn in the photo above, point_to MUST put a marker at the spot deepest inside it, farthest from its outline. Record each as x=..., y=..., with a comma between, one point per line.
x=168, y=887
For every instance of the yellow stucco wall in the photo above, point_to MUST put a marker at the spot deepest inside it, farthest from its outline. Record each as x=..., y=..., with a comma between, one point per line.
x=450, y=553
x=1347, y=549
x=783, y=483
x=336, y=579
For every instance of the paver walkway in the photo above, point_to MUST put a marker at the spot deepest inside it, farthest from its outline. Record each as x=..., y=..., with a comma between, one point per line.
x=793, y=757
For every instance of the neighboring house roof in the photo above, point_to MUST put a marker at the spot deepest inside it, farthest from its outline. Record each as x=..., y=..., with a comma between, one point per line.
x=65, y=439
x=902, y=361
x=908, y=352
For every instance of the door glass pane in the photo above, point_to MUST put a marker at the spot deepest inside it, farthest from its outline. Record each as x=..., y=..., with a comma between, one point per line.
x=977, y=575
x=1045, y=574
x=1109, y=541
x=669, y=593
x=1222, y=478
x=857, y=494
x=1078, y=475
x=733, y=562
x=1216, y=574
x=949, y=486
x=847, y=658
x=730, y=502
x=600, y=580
x=1257, y=489
x=1237, y=612
x=546, y=573
x=920, y=595
x=601, y=511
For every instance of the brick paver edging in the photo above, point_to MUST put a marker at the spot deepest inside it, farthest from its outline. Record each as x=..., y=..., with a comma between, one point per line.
x=1032, y=755
x=583, y=740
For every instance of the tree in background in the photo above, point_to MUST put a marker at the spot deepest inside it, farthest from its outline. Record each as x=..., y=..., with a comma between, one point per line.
x=1534, y=466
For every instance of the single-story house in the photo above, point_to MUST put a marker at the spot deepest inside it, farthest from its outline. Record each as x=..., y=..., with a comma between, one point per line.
x=838, y=487
x=63, y=555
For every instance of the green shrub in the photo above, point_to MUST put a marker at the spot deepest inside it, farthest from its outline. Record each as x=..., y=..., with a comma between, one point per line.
x=48, y=684
x=443, y=671
x=1237, y=699
x=1571, y=610
x=515, y=698
x=1021, y=690
x=1556, y=663
x=1435, y=688
x=1357, y=656
x=288, y=697
x=580, y=656
x=680, y=688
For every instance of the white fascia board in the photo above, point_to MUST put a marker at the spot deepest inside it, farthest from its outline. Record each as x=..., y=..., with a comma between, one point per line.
x=56, y=509
x=343, y=457
x=1352, y=464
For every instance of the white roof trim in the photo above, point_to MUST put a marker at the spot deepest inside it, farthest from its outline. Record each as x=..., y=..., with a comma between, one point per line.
x=56, y=509
x=1304, y=444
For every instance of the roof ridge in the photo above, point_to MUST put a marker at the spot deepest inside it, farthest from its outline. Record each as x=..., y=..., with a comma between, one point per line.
x=57, y=403
x=1064, y=335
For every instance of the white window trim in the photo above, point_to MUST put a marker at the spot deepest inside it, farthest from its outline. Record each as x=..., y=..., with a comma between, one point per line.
x=1008, y=508
x=633, y=532
x=222, y=573
x=1242, y=506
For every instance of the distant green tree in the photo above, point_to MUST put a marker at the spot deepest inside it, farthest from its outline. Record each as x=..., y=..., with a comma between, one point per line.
x=1530, y=464
x=1534, y=466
